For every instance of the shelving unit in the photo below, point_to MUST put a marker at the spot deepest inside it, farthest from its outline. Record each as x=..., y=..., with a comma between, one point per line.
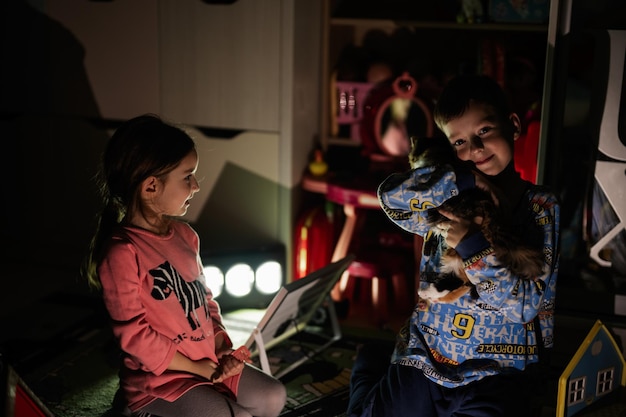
x=569, y=52
x=392, y=24
x=445, y=41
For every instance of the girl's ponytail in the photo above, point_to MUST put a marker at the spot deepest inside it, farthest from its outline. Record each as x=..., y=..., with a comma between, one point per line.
x=110, y=216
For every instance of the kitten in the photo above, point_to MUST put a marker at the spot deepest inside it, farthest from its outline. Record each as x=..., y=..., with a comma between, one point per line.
x=428, y=152
x=522, y=259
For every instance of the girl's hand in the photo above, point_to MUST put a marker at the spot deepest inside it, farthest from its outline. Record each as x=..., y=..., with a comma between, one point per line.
x=206, y=368
x=458, y=228
x=221, y=345
x=229, y=366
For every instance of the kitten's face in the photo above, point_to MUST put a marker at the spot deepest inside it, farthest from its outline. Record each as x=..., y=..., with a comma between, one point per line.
x=430, y=152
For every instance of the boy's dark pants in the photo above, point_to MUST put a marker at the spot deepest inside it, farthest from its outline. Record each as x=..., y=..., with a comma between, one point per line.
x=378, y=389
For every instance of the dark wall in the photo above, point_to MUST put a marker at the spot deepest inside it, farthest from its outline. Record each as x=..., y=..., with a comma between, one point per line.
x=51, y=145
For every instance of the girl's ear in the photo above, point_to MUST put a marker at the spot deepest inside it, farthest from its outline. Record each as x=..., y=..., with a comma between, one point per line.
x=516, y=126
x=149, y=187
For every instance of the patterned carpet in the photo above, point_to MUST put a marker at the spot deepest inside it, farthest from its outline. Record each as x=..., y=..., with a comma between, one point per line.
x=80, y=379
x=69, y=359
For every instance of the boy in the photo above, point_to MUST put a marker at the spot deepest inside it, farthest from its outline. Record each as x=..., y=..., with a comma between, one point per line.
x=470, y=357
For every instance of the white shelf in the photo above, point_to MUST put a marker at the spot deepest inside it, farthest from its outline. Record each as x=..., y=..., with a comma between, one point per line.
x=391, y=24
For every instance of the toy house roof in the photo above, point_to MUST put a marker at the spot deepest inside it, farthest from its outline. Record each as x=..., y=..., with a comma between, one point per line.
x=596, y=352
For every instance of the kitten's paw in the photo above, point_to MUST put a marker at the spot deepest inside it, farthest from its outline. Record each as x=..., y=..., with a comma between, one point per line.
x=431, y=293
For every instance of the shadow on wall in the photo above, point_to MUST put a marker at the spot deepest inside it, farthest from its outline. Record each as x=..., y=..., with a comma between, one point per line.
x=51, y=147
x=237, y=218
x=53, y=135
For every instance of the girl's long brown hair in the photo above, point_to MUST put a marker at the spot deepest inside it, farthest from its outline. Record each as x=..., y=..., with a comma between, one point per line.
x=141, y=147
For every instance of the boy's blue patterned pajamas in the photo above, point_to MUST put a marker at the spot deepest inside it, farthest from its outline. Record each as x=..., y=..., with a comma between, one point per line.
x=456, y=345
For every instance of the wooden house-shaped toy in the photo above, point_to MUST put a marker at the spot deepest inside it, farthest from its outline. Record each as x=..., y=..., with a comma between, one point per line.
x=596, y=370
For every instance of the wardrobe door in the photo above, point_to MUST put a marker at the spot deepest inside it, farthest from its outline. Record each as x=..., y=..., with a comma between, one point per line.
x=220, y=63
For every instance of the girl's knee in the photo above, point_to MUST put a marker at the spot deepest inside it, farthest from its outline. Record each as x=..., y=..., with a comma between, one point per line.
x=263, y=395
x=276, y=400
x=269, y=400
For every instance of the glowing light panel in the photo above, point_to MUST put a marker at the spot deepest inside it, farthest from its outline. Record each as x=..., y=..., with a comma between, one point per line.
x=214, y=279
x=269, y=277
x=239, y=280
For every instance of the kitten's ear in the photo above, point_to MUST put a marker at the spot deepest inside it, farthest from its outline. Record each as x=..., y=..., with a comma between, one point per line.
x=413, y=141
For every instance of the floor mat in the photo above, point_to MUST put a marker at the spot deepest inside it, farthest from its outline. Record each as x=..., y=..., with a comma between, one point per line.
x=319, y=387
x=82, y=381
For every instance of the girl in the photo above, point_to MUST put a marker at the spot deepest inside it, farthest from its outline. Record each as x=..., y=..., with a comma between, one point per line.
x=176, y=354
x=470, y=357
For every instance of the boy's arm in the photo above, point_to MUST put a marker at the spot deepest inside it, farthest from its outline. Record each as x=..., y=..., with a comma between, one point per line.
x=406, y=197
x=519, y=299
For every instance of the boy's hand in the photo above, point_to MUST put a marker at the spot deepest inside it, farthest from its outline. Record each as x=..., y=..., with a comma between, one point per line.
x=458, y=228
